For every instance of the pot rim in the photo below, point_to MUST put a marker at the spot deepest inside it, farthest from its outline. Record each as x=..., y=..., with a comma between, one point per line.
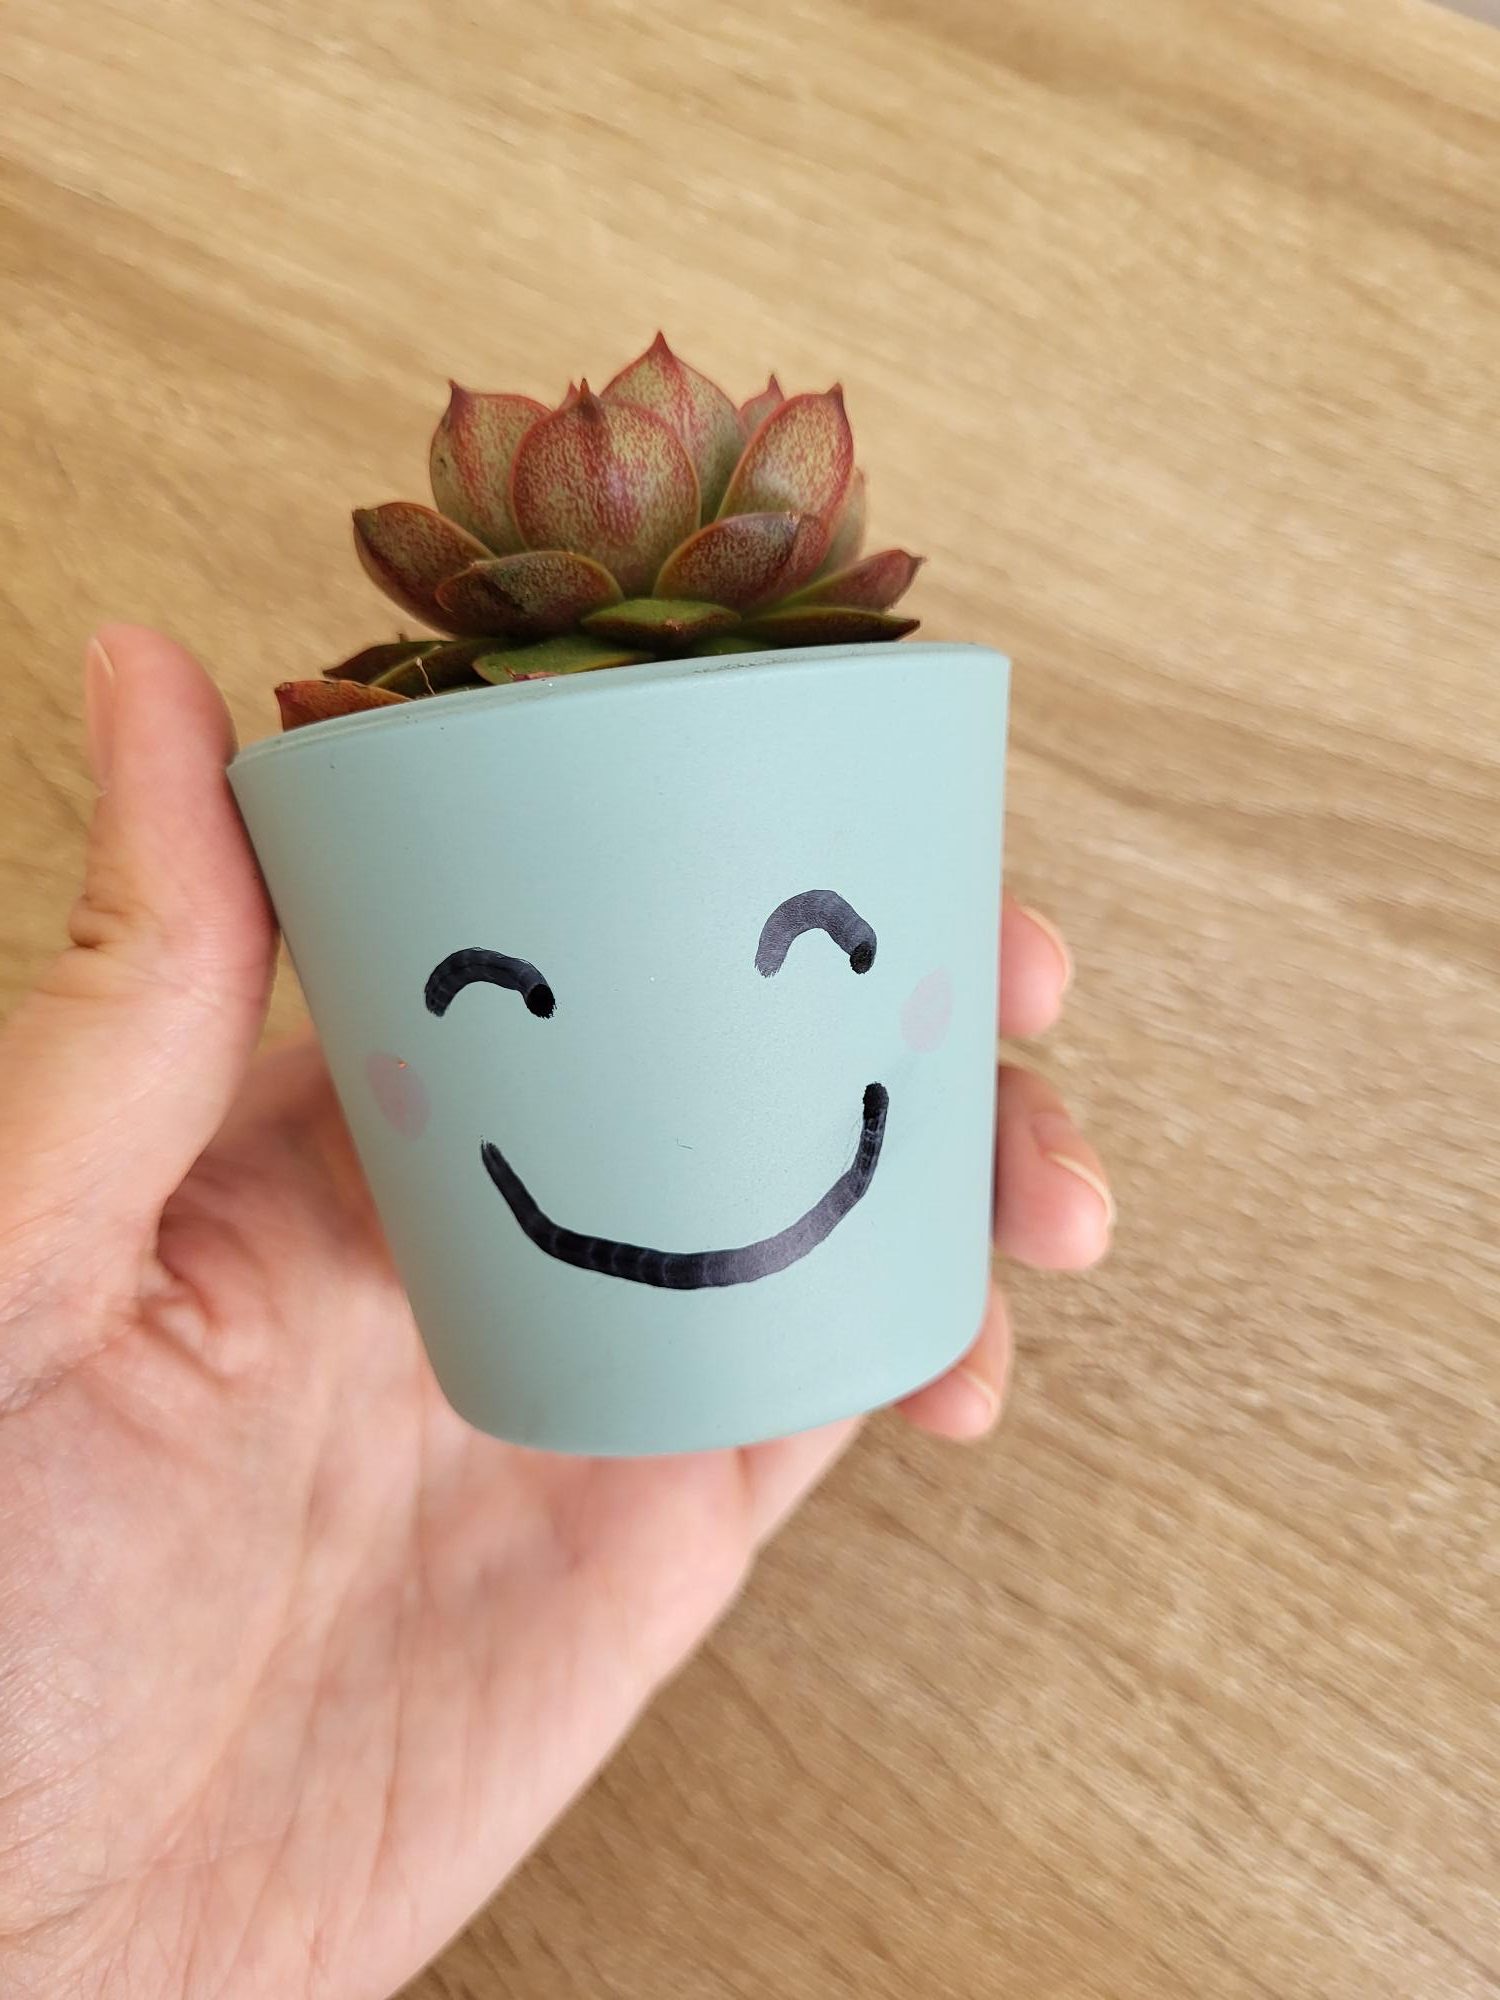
x=607, y=684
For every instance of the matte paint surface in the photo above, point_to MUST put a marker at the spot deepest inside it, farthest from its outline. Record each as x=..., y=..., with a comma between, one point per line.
x=629, y=1221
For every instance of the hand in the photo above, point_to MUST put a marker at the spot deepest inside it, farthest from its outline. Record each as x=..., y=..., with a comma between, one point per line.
x=294, y=1667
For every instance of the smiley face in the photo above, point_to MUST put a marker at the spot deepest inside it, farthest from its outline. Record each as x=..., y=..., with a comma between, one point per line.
x=660, y=1060
x=685, y=1270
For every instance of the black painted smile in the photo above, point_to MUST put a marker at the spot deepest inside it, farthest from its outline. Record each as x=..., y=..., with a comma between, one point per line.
x=684, y=1270
x=693, y=1270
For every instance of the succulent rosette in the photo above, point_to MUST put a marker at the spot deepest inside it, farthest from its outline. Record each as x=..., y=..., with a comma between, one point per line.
x=650, y=521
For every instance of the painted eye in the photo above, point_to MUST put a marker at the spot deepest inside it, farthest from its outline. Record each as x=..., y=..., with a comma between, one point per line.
x=814, y=910
x=476, y=966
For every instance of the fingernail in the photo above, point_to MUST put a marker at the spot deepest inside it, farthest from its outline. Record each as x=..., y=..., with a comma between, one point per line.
x=1055, y=1136
x=985, y=1396
x=1055, y=937
x=98, y=711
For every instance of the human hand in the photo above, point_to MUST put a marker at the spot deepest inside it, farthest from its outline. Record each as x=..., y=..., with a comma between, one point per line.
x=294, y=1667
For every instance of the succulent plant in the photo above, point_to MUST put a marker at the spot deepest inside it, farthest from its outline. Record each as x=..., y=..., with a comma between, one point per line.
x=650, y=521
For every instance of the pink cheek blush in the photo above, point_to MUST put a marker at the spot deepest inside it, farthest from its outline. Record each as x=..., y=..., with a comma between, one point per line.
x=928, y=1013
x=400, y=1093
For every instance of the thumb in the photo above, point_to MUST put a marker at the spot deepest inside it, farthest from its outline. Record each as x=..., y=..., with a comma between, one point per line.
x=116, y=1071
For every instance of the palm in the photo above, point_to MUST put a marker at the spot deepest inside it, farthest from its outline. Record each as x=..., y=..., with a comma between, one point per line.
x=333, y=1609
x=293, y=1665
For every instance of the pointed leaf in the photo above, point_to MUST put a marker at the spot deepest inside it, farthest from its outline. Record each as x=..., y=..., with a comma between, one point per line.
x=444, y=667
x=754, y=413
x=798, y=462
x=302, y=702
x=573, y=655
x=409, y=550
x=828, y=625
x=848, y=527
x=745, y=561
x=697, y=409
x=374, y=660
x=530, y=596
x=871, y=585
x=612, y=481
x=660, y=622
x=473, y=449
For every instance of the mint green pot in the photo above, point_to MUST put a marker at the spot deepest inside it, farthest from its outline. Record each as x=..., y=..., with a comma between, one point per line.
x=661, y=1005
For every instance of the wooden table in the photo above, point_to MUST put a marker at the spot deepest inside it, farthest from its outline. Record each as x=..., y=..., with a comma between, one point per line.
x=1171, y=332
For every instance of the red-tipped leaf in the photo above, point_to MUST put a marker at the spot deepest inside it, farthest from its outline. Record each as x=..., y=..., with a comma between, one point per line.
x=848, y=527
x=409, y=550
x=754, y=413
x=746, y=560
x=473, y=449
x=871, y=585
x=799, y=461
x=302, y=702
x=697, y=410
x=611, y=480
x=534, y=595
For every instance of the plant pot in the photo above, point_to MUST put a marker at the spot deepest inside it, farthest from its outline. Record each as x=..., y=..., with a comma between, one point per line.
x=661, y=1005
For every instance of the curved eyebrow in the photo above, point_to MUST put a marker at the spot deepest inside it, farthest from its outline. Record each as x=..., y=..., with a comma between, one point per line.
x=814, y=910
x=463, y=968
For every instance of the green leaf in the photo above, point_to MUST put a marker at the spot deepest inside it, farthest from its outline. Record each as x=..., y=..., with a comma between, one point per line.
x=373, y=661
x=539, y=594
x=828, y=625
x=435, y=671
x=573, y=655
x=660, y=621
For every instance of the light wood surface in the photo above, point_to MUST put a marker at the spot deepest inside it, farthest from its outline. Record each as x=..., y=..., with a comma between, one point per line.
x=1172, y=333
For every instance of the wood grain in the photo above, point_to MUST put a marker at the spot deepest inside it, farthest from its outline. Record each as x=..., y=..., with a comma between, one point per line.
x=1170, y=332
